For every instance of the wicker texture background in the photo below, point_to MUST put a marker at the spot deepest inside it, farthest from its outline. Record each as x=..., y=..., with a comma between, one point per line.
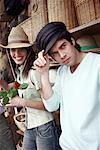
x=87, y=10
x=26, y=25
x=37, y=20
x=68, y=11
x=97, y=8
x=62, y=10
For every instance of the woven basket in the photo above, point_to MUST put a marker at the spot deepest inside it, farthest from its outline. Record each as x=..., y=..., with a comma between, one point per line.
x=20, y=121
x=27, y=27
x=37, y=20
x=87, y=10
x=62, y=10
x=97, y=8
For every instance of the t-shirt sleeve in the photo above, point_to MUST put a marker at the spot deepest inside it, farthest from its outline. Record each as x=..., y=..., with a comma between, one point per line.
x=53, y=103
x=35, y=79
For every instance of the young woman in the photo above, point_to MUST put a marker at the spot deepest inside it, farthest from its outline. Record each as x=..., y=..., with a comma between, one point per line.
x=41, y=132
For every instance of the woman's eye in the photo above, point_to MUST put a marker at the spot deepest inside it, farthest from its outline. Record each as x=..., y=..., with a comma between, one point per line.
x=12, y=50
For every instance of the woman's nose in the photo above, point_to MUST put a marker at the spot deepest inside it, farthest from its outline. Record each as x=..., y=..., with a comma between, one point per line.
x=16, y=51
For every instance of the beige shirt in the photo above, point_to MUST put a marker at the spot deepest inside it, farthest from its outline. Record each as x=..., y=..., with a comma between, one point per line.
x=34, y=117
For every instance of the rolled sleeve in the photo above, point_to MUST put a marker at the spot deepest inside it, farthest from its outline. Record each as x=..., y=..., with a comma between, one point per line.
x=51, y=104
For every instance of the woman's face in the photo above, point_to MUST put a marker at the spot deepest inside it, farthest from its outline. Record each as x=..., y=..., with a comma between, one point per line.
x=18, y=55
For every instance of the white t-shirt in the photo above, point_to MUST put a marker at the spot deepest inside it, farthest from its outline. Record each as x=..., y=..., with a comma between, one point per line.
x=78, y=95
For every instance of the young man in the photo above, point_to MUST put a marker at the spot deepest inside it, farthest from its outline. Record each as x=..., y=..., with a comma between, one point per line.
x=76, y=90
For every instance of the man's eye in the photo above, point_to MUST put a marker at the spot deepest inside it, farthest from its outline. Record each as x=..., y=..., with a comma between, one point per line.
x=63, y=46
x=54, y=53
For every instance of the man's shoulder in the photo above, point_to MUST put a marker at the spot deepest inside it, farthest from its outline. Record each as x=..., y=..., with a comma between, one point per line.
x=61, y=69
x=92, y=56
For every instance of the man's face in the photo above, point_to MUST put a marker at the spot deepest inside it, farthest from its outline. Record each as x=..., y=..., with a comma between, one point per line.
x=64, y=52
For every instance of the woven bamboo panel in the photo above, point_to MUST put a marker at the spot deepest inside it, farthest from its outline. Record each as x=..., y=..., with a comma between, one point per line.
x=62, y=10
x=30, y=7
x=37, y=20
x=87, y=10
x=27, y=26
x=97, y=8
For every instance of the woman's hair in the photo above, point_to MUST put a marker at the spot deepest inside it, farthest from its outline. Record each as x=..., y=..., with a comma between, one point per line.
x=28, y=62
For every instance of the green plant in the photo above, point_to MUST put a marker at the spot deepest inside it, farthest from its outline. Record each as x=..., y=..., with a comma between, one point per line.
x=11, y=92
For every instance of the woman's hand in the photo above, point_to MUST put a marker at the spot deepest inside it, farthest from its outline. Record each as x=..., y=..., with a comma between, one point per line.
x=17, y=102
x=42, y=63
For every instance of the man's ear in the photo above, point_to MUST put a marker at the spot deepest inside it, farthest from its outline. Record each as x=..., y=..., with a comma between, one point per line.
x=73, y=41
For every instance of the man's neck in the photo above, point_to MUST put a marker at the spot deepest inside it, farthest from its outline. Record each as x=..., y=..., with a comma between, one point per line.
x=74, y=67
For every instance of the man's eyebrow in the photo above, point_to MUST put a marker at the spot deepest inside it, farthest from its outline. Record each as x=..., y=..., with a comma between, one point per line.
x=59, y=47
x=62, y=44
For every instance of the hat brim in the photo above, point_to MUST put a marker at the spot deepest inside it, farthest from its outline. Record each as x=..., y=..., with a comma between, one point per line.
x=51, y=43
x=17, y=45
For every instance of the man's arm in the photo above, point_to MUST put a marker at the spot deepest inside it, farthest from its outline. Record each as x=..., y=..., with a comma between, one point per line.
x=42, y=66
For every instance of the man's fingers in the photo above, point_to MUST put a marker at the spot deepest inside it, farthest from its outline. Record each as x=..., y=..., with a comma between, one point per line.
x=42, y=57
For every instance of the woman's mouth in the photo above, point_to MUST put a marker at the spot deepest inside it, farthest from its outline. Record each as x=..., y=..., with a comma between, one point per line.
x=19, y=58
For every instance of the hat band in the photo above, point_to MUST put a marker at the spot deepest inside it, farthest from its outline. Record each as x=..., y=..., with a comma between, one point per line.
x=88, y=47
x=18, y=41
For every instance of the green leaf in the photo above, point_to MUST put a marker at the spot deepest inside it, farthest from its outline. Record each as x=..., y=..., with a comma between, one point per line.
x=23, y=86
x=3, y=94
x=5, y=100
x=15, y=92
x=12, y=92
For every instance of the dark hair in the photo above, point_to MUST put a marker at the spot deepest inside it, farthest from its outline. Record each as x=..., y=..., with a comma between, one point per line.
x=67, y=35
x=30, y=59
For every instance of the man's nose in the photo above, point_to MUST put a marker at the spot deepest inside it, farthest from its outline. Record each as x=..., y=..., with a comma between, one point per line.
x=62, y=54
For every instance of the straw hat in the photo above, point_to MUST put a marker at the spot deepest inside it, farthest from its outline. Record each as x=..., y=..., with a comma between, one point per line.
x=87, y=43
x=17, y=39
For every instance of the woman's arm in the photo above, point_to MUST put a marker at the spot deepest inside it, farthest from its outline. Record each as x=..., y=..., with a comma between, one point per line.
x=21, y=102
